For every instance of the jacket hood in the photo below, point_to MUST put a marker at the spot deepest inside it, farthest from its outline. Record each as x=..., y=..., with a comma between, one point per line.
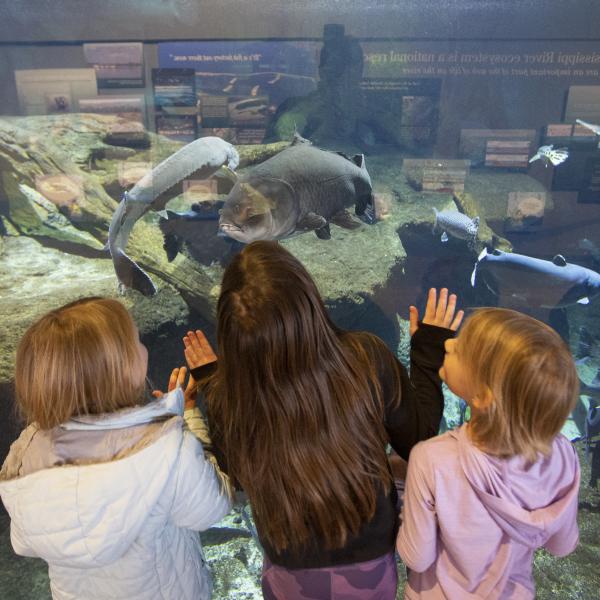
x=88, y=515
x=529, y=502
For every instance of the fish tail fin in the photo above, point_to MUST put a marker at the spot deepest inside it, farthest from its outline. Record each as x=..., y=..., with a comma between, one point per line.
x=131, y=274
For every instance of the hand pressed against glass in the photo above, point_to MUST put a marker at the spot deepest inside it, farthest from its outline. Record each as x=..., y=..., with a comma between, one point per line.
x=198, y=351
x=440, y=313
x=177, y=378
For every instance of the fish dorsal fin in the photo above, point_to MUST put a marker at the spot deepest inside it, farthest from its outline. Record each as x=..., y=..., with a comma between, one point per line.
x=298, y=139
x=359, y=160
x=559, y=260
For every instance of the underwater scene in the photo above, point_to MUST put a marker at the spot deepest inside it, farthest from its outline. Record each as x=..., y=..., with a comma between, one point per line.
x=135, y=166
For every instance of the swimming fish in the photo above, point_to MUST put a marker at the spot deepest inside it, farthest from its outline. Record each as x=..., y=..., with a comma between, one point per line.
x=202, y=157
x=550, y=155
x=300, y=189
x=534, y=281
x=591, y=127
x=588, y=246
x=456, y=224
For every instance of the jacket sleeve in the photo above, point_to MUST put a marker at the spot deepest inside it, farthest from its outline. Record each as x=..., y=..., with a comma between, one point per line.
x=198, y=427
x=200, y=499
x=418, y=415
x=417, y=537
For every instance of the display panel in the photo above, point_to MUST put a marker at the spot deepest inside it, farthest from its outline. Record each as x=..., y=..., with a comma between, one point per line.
x=482, y=153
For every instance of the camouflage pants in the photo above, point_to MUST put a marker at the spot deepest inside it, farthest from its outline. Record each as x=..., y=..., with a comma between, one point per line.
x=372, y=580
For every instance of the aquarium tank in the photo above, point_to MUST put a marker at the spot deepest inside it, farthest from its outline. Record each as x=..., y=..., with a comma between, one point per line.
x=474, y=128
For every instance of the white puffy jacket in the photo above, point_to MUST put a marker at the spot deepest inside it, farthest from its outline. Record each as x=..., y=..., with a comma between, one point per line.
x=115, y=509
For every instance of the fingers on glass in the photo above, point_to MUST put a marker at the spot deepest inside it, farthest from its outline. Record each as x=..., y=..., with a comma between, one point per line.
x=431, y=304
x=450, y=309
x=441, y=306
x=457, y=320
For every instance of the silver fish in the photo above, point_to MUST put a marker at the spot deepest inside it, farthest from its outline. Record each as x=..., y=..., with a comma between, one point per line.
x=203, y=157
x=456, y=224
x=591, y=127
x=550, y=155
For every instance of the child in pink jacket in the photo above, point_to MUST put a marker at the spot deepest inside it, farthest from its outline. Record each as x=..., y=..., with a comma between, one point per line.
x=482, y=498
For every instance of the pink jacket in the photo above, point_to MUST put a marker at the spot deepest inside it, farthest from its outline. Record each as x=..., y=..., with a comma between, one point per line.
x=471, y=521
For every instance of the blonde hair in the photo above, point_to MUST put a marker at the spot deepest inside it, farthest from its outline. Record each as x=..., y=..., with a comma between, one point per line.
x=530, y=374
x=79, y=359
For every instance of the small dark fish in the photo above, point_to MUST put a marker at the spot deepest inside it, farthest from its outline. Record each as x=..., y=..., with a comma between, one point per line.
x=534, y=281
x=590, y=248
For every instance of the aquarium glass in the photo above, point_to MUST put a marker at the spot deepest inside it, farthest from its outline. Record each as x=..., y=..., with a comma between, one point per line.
x=470, y=132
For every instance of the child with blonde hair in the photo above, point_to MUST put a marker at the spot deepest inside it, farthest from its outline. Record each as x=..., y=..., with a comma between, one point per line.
x=482, y=498
x=107, y=486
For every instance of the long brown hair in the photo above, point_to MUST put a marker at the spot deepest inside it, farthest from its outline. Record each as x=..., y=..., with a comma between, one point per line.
x=78, y=359
x=529, y=373
x=295, y=404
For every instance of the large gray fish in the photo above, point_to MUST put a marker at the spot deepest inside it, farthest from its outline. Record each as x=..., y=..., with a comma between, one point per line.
x=202, y=158
x=456, y=224
x=534, y=281
x=300, y=189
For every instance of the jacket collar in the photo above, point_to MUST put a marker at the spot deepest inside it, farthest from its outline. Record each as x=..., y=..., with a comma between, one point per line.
x=168, y=405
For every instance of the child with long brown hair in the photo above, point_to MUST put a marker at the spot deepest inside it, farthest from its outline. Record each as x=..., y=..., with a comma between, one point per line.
x=481, y=499
x=302, y=411
x=107, y=486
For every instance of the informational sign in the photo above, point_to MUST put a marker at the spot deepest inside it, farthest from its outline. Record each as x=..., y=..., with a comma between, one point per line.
x=117, y=65
x=239, y=85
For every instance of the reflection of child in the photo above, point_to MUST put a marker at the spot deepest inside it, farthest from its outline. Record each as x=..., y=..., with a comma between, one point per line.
x=109, y=489
x=480, y=499
x=301, y=412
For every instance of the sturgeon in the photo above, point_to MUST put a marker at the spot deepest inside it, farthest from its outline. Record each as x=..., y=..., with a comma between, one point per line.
x=202, y=158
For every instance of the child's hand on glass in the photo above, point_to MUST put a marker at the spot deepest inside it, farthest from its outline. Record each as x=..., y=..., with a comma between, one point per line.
x=198, y=351
x=177, y=378
x=440, y=313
